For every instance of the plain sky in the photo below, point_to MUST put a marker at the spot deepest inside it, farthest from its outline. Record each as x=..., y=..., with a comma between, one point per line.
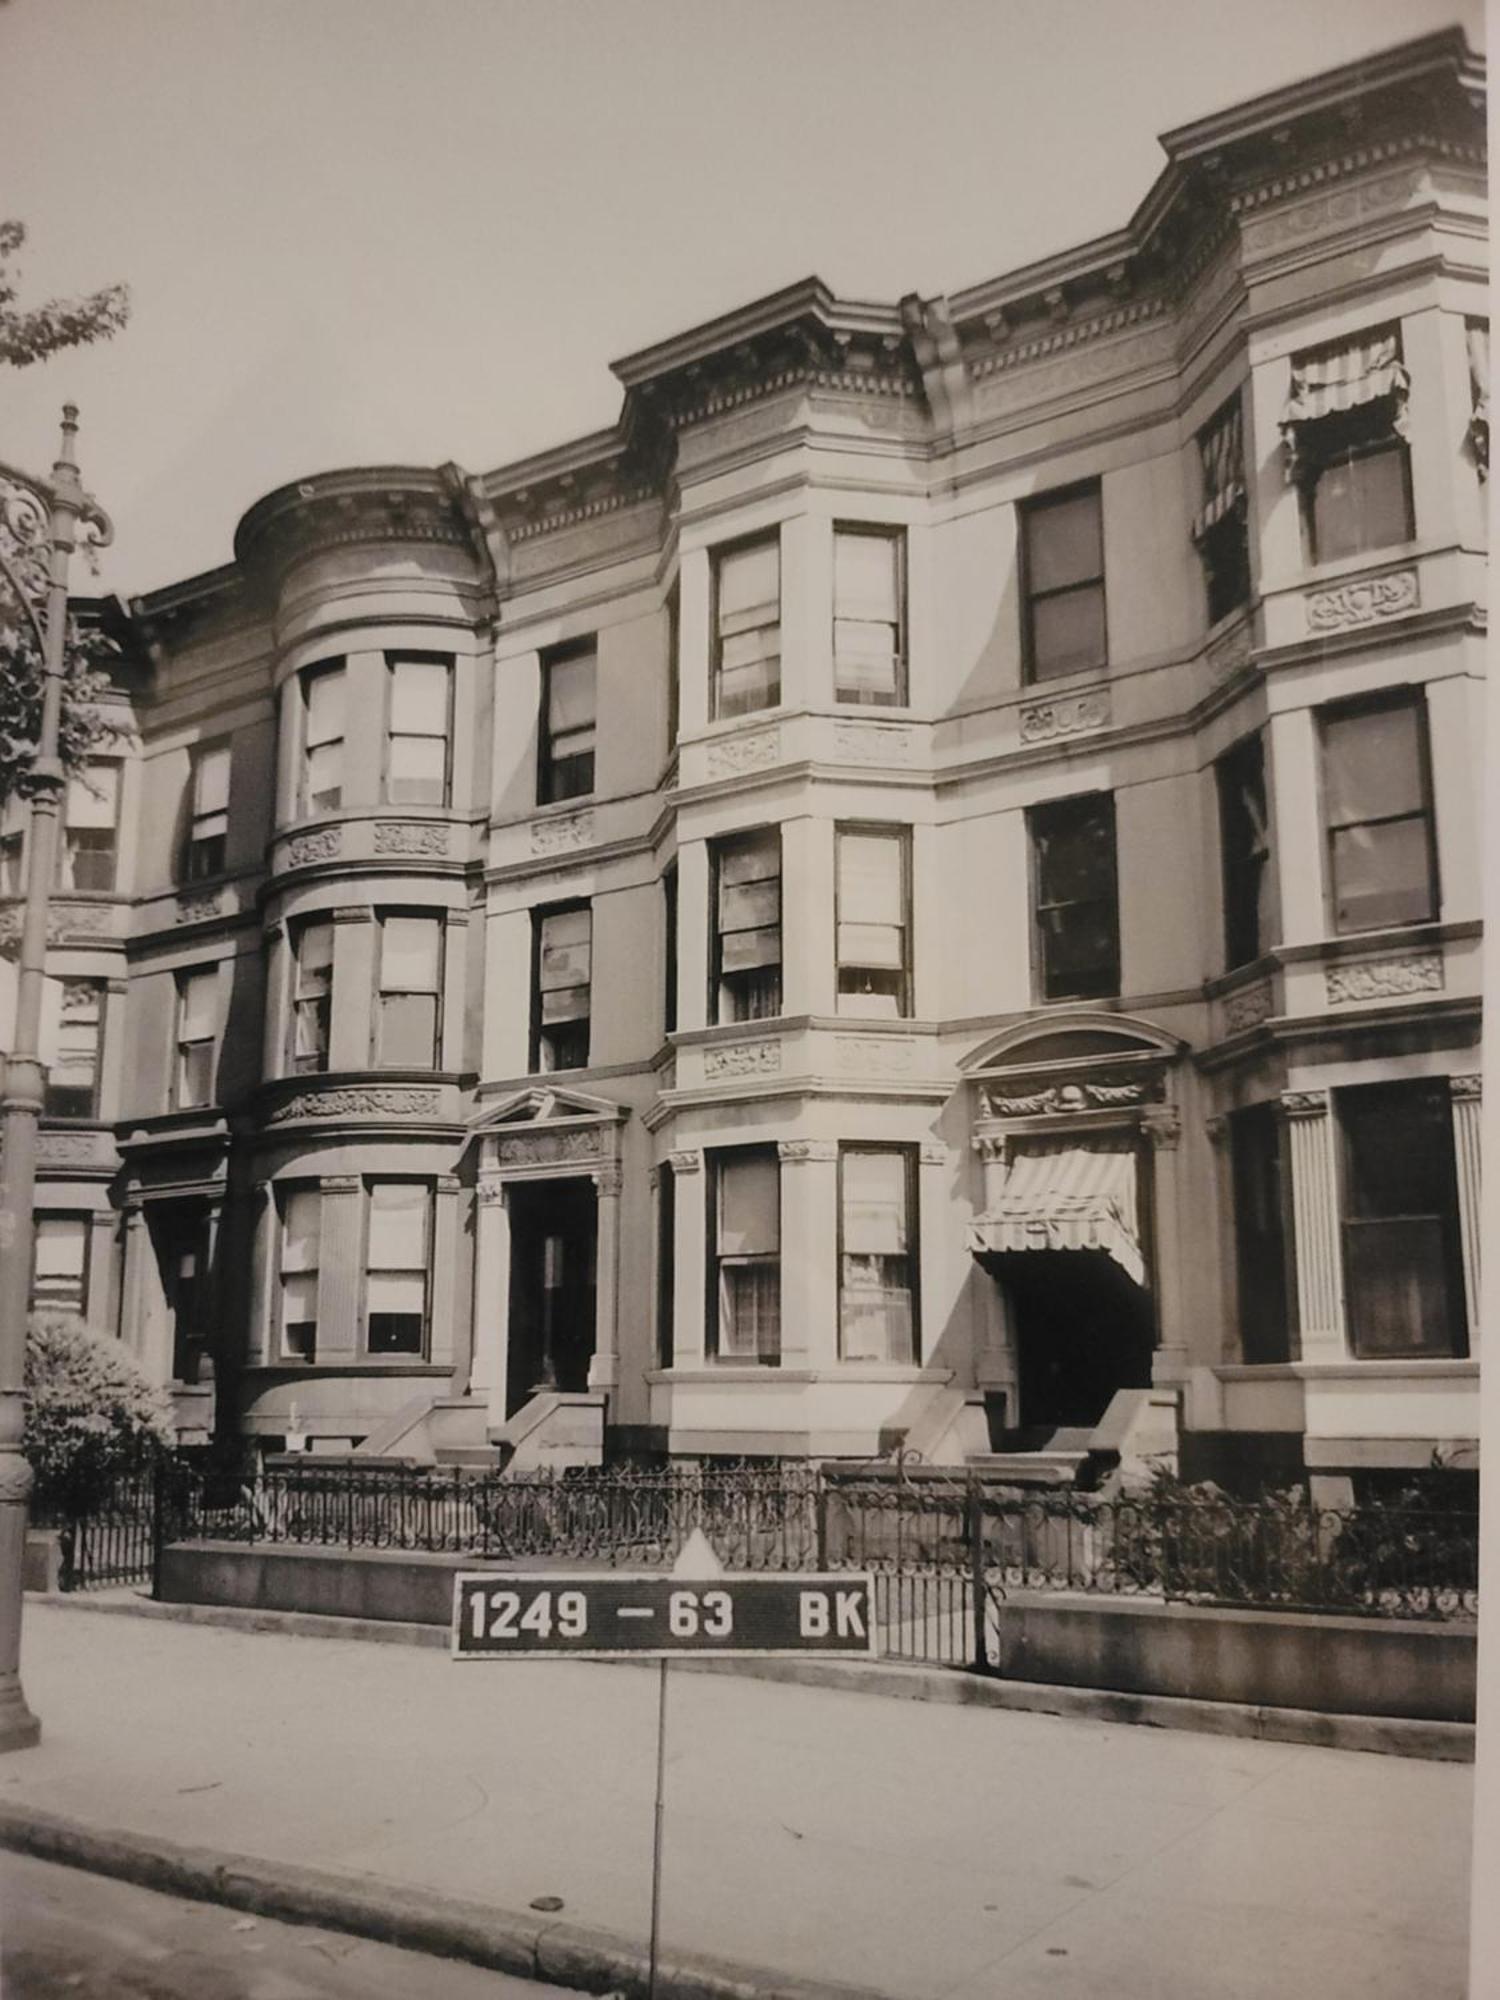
x=404, y=231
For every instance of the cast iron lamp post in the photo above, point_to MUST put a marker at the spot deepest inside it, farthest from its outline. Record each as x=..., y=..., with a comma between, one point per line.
x=39, y=521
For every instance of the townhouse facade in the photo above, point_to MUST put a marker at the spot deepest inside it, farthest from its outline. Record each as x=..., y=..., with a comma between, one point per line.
x=922, y=891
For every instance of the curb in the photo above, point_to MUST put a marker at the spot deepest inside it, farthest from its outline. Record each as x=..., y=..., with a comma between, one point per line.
x=1391, y=1736
x=527, y=1946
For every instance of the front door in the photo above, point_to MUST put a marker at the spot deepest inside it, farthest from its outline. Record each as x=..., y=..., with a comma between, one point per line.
x=552, y=1225
x=1084, y=1329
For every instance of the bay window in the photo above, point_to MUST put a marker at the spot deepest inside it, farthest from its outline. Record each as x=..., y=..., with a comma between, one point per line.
x=869, y=607
x=90, y=832
x=1244, y=851
x=297, y=1273
x=1344, y=427
x=746, y=873
x=397, y=1267
x=408, y=1004
x=873, y=926
x=59, y=1266
x=877, y=1265
x=419, y=699
x=747, y=627
x=321, y=784
x=1258, y=1178
x=72, y=1089
x=1221, y=529
x=312, y=994
x=1377, y=808
x=744, y=1319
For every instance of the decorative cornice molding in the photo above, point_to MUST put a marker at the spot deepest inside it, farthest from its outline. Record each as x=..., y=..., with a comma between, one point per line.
x=358, y=1101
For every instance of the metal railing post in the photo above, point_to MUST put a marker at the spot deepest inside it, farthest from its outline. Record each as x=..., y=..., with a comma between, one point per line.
x=974, y=1524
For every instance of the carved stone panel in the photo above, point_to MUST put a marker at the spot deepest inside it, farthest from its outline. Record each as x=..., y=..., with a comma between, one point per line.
x=729, y=756
x=873, y=742
x=197, y=909
x=562, y=836
x=1365, y=600
x=359, y=1101
x=1385, y=978
x=420, y=837
x=1249, y=1007
x=1069, y=715
x=874, y=1055
x=549, y=1149
x=322, y=845
x=743, y=1059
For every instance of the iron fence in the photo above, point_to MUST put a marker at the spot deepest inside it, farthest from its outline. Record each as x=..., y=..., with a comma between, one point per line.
x=939, y=1544
x=106, y=1530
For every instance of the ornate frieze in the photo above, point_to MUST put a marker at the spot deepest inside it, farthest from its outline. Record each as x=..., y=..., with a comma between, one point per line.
x=743, y=1059
x=1365, y=600
x=729, y=756
x=1070, y=715
x=550, y=1149
x=1384, y=978
x=807, y=1152
x=199, y=909
x=359, y=1101
x=1337, y=209
x=305, y=848
x=686, y=1161
x=421, y=837
x=562, y=836
x=79, y=920
x=82, y=1149
x=1059, y=1099
x=874, y=1055
x=1249, y=1007
x=873, y=742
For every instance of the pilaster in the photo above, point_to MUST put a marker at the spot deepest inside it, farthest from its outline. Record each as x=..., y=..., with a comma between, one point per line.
x=807, y=611
x=276, y=1026
x=809, y=1253
x=1436, y=357
x=935, y=1298
x=491, y=1311
x=808, y=981
x=288, y=749
x=365, y=706
x=691, y=1259
x=354, y=945
x=260, y=1344
x=445, y=1346
x=1297, y=831
x=451, y=1053
x=1315, y=1224
x=102, y=1273
x=340, y=1266
x=134, y=1294
x=693, y=641
x=604, y=1366
x=693, y=920
x=1169, y=1364
x=1467, y=1121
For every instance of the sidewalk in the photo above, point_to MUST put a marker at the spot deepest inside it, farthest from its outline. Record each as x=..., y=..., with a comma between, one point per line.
x=908, y=1849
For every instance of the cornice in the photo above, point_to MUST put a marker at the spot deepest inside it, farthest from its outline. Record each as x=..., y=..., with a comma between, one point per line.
x=382, y=503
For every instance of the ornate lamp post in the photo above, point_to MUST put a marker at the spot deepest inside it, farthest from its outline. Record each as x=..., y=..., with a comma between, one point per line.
x=39, y=523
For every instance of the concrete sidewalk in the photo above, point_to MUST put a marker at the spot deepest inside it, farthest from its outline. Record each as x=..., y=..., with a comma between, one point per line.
x=903, y=1848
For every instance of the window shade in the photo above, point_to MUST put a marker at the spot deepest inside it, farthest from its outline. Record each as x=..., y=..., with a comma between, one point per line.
x=1221, y=451
x=211, y=787
x=750, y=586
x=866, y=577
x=300, y=1218
x=570, y=693
x=93, y=797
x=874, y=1203
x=197, y=1005
x=398, y=1228
x=1349, y=375
x=1477, y=337
x=419, y=697
x=325, y=706
x=750, y=1206
x=409, y=950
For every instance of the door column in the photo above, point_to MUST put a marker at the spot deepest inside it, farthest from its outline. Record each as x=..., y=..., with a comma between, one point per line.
x=1315, y=1226
x=491, y=1297
x=1467, y=1116
x=604, y=1367
x=690, y=1266
x=1169, y=1364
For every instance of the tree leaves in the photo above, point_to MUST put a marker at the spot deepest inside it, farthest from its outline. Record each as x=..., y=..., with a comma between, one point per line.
x=28, y=335
x=85, y=727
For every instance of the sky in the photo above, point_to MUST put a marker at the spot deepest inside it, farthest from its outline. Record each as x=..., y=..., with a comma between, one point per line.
x=407, y=231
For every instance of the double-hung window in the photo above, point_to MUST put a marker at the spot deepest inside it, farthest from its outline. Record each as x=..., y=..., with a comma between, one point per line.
x=569, y=694
x=409, y=1003
x=1221, y=529
x=1259, y=1182
x=73, y=1080
x=312, y=994
x=747, y=926
x=873, y=922
x=297, y=1273
x=397, y=1267
x=747, y=626
x=197, y=1036
x=1344, y=427
x=1377, y=805
x=1403, y=1277
x=1062, y=569
x=877, y=1264
x=59, y=1267
x=745, y=1314
x=321, y=788
x=208, y=825
x=669, y=948
x=91, y=818
x=869, y=616
x=1244, y=850
x=1075, y=897
x=419, y=698
x=562, y=988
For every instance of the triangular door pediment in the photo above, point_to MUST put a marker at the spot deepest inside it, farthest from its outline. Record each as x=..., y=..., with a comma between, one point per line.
x=539, y=1105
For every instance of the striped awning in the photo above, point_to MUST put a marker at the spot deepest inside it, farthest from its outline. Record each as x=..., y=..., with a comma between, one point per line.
x=1066, y=1198
x=1477, y=335
x=1328, y=381
x=1221, y=450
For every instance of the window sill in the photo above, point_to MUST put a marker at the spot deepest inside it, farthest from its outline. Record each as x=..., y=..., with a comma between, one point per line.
x=1350, y=1369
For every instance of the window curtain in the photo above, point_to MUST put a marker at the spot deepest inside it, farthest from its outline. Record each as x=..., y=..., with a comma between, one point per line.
x=1331, y=381
x=1477, y=335
x=1221, y=449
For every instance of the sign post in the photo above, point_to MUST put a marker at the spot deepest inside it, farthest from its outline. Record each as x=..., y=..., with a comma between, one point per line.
x=696, y=1609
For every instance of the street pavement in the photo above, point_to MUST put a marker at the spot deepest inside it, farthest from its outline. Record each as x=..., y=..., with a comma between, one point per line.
x=912, y=1849
x=65, y=1932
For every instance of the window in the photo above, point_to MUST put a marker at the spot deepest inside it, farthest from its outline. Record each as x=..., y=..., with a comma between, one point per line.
x=561, y=988
x=1344, y=427
x=1076, y=902
x=312, y=993
x=666, y=1266
x=569, y=683
x=1377, y=807
x=1256, y=1166
x=396, y=1267
x=745, y=1321
x=674, y=664
x=1062, y=558
x=419, y=689
x=197, y=1031
x=208, y=828
x=409, y=1000
x=873, y=928
x=669, y=949
x=297, y=1273
x=869, y=616
x=59, y=1271
x=91, y=816
x=1477, y=340
x=747, y=627
x=877, y=1233
x=1221, y=530
x=1244, y=851
x=322, y=786
x=73, y=1080
x=1403, y=1282
x=747, y=927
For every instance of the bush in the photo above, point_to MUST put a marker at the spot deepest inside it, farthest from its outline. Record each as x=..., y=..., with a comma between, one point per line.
x=90, y=1411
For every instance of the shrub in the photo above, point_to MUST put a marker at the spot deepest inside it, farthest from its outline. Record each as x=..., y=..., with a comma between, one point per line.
x=90, y=1411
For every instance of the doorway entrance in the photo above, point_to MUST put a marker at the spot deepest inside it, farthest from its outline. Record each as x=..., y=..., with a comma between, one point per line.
x=1084, y=1329
x=553, y=1228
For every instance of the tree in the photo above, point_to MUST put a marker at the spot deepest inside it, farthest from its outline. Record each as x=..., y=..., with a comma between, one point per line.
x=89, y=1410
x=28, y=335
x=31, y=335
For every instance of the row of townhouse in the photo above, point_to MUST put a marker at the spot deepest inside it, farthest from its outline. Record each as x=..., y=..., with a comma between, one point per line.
x=921, y=890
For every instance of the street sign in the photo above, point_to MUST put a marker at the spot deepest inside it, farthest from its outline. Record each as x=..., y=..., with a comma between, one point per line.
x=655, y=1616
